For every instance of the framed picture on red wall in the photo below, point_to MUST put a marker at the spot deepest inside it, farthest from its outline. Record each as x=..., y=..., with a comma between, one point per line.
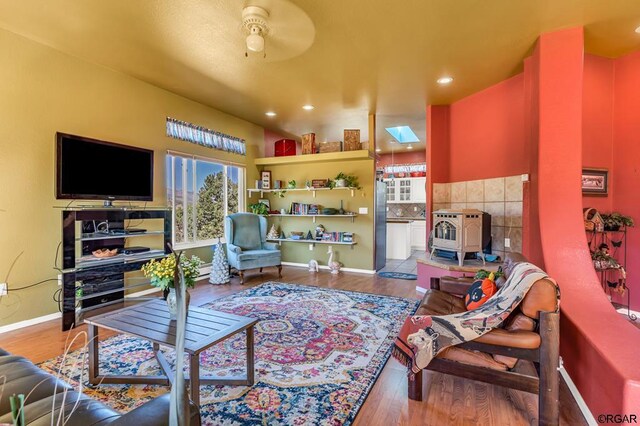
x=595, y=181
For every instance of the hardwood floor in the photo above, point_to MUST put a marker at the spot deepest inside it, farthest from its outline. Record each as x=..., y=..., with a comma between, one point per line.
x=448, y=400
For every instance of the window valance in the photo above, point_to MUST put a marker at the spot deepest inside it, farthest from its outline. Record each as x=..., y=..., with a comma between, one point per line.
x=190, y=132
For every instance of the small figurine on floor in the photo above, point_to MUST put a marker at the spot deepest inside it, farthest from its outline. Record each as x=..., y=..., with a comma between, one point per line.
x=333, y=266
x=313, y=265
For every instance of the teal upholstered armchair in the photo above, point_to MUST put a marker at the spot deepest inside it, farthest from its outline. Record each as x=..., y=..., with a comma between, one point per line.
x=247, y=246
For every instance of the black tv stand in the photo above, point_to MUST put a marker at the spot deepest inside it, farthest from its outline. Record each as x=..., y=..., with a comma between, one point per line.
x=89, y=283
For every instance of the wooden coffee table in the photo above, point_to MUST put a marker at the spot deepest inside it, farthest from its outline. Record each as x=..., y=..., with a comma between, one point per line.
x=150, y=321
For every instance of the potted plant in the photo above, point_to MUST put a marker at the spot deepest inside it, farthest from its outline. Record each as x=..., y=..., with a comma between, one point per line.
x=259, y=208
x=615, y=220
x=602, y=260
x=162, y=273
x=344, y=181
x=291, y=184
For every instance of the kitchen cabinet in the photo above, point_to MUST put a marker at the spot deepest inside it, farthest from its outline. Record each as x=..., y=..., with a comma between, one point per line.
x=418, y=232
x=406, y=190
x=391, y=190
x=419, y=190
x=398, y=240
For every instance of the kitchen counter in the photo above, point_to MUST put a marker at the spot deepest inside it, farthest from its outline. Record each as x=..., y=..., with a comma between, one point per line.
x=405, y=219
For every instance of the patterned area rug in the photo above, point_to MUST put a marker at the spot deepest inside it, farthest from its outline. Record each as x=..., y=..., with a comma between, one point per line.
x=318, y=353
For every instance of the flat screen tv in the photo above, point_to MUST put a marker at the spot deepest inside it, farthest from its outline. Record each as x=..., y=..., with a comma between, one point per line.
x=96, y=170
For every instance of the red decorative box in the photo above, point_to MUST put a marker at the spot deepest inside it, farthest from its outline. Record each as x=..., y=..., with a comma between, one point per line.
x=285, y=147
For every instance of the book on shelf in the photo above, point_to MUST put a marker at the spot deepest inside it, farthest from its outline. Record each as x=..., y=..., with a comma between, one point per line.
x=338, y=237
x=304, y=209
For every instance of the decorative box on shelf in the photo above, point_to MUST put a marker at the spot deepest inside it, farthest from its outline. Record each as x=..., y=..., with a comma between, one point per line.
x=352, y=140
x=309, y=143
x=330, y=147
x=285, y=147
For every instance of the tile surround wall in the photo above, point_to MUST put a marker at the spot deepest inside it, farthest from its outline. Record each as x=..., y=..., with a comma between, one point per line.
x=500, y=197
x=406, y=211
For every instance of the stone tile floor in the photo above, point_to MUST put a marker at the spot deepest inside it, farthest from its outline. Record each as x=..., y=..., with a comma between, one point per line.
x=408, y=266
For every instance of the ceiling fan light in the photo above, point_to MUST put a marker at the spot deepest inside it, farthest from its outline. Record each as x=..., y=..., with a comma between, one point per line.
x=255, y=41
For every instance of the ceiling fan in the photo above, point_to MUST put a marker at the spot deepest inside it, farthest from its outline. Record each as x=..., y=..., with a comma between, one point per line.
x=277, y=24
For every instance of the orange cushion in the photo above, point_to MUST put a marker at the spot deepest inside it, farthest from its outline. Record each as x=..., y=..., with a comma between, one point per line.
x=479, y=292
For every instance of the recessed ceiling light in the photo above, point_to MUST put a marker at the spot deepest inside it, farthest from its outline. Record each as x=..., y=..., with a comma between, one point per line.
x=270, y=114
x=444, y=80
x=308, y=107
x=638, y=30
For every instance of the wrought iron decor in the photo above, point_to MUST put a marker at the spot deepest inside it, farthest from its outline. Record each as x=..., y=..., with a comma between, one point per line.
x=190, y=132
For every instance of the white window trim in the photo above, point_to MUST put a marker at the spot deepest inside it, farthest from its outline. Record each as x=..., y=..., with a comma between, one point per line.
x=199, y=244
x=241, y=202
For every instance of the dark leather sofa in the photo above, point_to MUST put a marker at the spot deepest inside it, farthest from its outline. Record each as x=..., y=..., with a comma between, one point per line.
x=23, y=377
x=529, y=334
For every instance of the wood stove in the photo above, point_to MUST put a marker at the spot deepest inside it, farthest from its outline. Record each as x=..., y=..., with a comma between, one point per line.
x=461, y=231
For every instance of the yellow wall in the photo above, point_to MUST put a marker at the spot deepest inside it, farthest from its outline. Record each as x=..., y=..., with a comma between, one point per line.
x=43, y=91
x=361, y=257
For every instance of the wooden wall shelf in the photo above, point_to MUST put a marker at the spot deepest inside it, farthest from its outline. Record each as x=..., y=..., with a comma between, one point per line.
x=252, y=191
x=314, y=216
x=311, y=242
x=332, y=157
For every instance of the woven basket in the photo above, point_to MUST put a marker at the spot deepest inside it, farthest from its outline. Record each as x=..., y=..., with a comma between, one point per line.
x=589, y=213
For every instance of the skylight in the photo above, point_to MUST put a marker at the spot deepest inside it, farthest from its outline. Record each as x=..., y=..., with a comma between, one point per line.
x=403, y=134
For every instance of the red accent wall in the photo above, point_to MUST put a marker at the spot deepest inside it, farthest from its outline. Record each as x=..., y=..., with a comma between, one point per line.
x=488, y=133
x=438, y=152
x=611, y=125
x=625, y=172
x=597, y=344
x=401, y=158
x=531, y=239
x=270, y=138
x=597, y=122
x=564, y=103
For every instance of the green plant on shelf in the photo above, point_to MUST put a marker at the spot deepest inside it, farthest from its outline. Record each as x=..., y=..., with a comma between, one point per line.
x=602, y=260
x=615, y=220
x=259, y=208
x=291, y=184
x=343, y=180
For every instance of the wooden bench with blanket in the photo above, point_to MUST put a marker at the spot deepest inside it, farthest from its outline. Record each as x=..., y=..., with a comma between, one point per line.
x=529, y=331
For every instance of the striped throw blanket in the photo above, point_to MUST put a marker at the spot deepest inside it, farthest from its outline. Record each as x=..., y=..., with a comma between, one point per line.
x=423, y=337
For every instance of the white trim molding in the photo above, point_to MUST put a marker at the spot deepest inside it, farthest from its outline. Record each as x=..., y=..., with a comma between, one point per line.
x=586, y=413
x=420, y=289
x=50, y=317
x=304, y=265
x=26, y=323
